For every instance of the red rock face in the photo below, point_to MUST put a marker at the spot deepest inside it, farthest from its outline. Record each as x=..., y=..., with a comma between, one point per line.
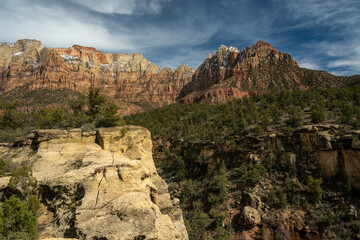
x=226, y=74
x=123, y=77
x=231, y=73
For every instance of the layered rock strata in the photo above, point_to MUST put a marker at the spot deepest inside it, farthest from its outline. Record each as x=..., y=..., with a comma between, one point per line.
x=99, y=185
x=131, y=80
x=124, y=77
x=230, y=73
x=321, y=150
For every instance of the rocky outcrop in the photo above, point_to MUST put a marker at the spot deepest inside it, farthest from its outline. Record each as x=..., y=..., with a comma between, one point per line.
x=99, y=185
x=321, y=150
x=230, y=73
x=268, y=179
x=123, y=77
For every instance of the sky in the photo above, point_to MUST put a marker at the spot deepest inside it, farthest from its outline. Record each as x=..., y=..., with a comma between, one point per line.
x=319, y=34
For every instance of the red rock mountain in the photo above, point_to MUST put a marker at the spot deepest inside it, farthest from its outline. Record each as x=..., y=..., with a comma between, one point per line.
x=231, y=73
x=126, y=78
x=131, y=80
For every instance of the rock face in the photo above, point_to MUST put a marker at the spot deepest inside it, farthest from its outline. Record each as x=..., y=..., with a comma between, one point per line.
x=99, y=185
x=230, y=73
x=322, y=150
x=124, y=77
x=130, y=79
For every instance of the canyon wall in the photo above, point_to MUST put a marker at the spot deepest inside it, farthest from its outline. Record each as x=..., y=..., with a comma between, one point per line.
x=123, y=77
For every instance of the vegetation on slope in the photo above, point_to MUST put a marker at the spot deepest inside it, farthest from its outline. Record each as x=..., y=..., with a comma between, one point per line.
x=282, y=109
x=20, y=206
x=93, y=110
x=211, y=193
x=208, y=192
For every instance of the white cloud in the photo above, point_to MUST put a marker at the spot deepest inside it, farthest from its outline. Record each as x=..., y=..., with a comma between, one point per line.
x=353, y=63
x=327, y=12
x=60, y=26
x=187, y=56
x=345, y=56
x=310, y=65
x=123, y=6
x=340, y=44
x=55, y=26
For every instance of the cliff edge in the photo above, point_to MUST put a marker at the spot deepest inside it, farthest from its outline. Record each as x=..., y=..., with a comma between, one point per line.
x=99, y=185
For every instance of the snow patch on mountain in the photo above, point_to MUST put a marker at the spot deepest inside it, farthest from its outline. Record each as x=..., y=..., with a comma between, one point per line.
x=69, y=57
x=18, y=53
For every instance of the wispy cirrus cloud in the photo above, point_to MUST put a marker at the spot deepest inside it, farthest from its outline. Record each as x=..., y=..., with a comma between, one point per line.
x=334, y=24
x=309, y=64
x=319, y=34
x=123, y=6
x=54, y=25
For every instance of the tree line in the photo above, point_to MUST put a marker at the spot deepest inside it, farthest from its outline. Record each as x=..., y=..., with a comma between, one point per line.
x=93, y=109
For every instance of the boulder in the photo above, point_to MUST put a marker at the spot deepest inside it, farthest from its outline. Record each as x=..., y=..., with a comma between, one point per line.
x=250, y=216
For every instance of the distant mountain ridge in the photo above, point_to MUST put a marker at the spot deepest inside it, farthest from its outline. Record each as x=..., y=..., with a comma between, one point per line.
x=131, y=80
x=126, y=78
x=231, y=73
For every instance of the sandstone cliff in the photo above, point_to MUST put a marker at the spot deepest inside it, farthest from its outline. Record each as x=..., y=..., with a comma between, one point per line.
x=123, y=77
x=323, y=150
x=230, y=73
x=98, y=185
x=131, y=80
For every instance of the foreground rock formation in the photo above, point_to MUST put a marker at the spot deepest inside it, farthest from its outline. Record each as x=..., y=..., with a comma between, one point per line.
x=99, y=185
x=123, y=77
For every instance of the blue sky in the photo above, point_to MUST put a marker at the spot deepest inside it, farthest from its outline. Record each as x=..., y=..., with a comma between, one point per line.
x=320, y=34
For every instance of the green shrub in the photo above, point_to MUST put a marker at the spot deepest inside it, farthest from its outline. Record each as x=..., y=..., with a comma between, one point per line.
x=16, y=220
x=347, y=112
x=107, y=115
x=23, y=180
x=11, y=118
x=34, y=204
x=94, y=102
x=294, y=117
x=196, y=223
x=3, y=167
x=256, y=173
x=330, y=218
x=272, y=196
x=317, y=113
x=10, y=135
x=218, y=217
x=315, y=188
x=282, y=198
x=217, y=187
x=189, y=190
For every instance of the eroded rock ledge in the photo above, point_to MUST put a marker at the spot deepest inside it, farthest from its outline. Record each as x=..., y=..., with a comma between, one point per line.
x=99, y=185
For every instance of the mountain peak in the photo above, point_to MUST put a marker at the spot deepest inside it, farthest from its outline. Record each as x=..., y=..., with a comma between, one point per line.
x=82, y=48
x=261, y=43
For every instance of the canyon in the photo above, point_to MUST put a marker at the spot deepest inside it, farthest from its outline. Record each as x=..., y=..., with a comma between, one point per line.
x=319, y=150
